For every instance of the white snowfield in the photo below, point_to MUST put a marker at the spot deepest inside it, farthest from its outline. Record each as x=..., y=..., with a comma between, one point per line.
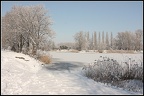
x=62, y=77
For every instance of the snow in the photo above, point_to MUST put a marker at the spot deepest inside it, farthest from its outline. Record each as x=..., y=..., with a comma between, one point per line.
x=63, y=76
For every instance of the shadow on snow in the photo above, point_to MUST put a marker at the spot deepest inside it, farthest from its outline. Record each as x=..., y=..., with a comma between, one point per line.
x=62, y=66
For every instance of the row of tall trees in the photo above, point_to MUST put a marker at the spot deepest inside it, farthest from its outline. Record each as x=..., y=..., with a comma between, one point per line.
x=105, y=41
x=25, y=26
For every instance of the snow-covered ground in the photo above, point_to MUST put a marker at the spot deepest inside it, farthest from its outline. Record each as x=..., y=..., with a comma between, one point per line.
x=63, y=76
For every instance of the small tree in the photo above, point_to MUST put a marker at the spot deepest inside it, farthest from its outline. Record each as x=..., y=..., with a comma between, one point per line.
x=111, y=42
x=107, y=41
x=95, y=41
x=99, y=42
x=79, y=40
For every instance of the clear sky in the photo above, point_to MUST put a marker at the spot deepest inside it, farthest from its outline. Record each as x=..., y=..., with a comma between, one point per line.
x=70, y=17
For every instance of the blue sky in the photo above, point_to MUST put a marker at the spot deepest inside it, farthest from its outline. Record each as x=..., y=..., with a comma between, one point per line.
x=70, y=17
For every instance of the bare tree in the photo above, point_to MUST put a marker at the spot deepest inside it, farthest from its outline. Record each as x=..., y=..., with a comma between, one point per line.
x=99, y=47
x=103, y=43
x=79, y=40
x=95, y=41
x=86, y=36
x=138, y=39
x=132, y=40
x=123, y=41
x=92, y=43
x=111, y=40
x=128, y=41
x=88, y=40
x=119, y=41
x=103, y=37
x=107, y=41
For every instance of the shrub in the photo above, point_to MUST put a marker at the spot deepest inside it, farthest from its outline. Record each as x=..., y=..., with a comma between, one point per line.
x=43, y=56
x=105, y=70
x=135, y=71
x=63, y=47
x=100, y=51
x=108, y=70
x=45, y=59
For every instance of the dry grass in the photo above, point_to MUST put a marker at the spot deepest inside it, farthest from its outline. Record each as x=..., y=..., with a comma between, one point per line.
x=45, y=59
x=120, y=51
x=75, y=51
x=100, y=51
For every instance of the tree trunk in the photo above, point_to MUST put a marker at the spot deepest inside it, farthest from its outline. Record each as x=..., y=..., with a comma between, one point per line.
x=34, y=49
x=21, y=45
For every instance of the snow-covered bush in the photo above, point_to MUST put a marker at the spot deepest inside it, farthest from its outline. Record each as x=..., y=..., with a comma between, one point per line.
x=104, y=70
x=108, y=70
x=134, y=70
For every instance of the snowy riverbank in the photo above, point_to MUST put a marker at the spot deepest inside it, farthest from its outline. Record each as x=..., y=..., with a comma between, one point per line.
x=63, y=76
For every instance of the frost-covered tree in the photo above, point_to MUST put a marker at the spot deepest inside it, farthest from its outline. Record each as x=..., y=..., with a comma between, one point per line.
x=99, y=40
x=132, y=38
x=103, y=43
x=79, y=40
x=107, y=41
x=138, y=39
x=95, y=41
x=120, y=41
x=88, y=41
x=103, y=37
x=111, y=42
x=129, y=41
x=92, y=43
x=32, y=23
